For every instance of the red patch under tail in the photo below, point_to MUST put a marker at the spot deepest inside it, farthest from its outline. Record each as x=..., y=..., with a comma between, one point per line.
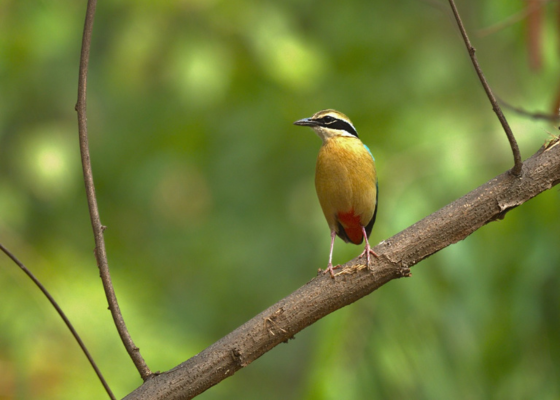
x=352, y=226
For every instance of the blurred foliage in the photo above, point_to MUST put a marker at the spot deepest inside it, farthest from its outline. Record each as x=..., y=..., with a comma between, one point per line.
x=207, y=192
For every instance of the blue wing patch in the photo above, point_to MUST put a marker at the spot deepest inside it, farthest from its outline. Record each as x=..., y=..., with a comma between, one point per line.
x=369, y=151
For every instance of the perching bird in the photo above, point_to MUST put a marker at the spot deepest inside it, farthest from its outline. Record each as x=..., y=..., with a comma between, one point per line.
x=345, y=180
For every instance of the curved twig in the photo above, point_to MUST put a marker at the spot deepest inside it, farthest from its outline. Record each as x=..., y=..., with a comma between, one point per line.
x=63, y=316
x=100, y=253
x=530, y=114
x=516, y=170
x=512, y=19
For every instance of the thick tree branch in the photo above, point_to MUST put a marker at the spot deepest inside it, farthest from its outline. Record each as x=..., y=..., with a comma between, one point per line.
x=323, y=295
x=516, y=170
x=100, y=253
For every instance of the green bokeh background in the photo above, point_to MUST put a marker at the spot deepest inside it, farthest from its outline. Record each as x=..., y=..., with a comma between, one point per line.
x=207, y=192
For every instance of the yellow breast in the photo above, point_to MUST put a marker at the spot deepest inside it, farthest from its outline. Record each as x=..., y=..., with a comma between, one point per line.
x=345, y=180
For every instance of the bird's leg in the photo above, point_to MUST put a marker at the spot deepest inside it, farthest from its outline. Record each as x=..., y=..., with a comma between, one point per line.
x=330, y=267
x=368, y=250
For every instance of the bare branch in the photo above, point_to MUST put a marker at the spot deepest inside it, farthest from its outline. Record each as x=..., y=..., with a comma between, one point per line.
x=534, y=33
x=323, y=295
x=529, y=114
x=516, y=170
x=63, y=316
x=100, y=253
x=513, y=19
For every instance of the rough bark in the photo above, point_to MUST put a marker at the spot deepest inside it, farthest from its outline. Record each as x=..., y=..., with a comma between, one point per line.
x=323, y=295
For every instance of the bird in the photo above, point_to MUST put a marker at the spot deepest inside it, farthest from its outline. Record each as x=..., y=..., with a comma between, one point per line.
x=345, y=180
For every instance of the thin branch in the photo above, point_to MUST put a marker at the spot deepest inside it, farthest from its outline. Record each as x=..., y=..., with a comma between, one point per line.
x=100, y=252
x=323, y=295
x=529, y=114
x=63, y=316
x=534, y=33
x=516, y=170
x=512, y=19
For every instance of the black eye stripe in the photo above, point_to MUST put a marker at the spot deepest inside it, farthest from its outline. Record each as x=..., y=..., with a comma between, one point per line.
x=338, y=124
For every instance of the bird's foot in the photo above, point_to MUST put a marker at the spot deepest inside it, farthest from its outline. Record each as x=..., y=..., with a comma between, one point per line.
x=367, y=251
x=331, y=269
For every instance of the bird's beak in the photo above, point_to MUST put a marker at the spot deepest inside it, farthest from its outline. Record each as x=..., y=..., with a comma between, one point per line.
x=306, y=122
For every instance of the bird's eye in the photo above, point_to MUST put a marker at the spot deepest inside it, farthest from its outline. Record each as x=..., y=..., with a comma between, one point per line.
x=328, y=119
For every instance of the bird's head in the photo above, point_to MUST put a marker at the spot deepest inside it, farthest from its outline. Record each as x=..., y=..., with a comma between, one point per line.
x=329, y=123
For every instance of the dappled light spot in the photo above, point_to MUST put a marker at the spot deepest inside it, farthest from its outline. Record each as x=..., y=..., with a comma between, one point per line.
x=50, y=162
x=201, y=73
x=286, y=57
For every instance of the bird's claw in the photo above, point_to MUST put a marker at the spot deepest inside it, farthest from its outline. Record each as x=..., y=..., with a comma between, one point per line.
x=367, y=251
x=331, y=269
